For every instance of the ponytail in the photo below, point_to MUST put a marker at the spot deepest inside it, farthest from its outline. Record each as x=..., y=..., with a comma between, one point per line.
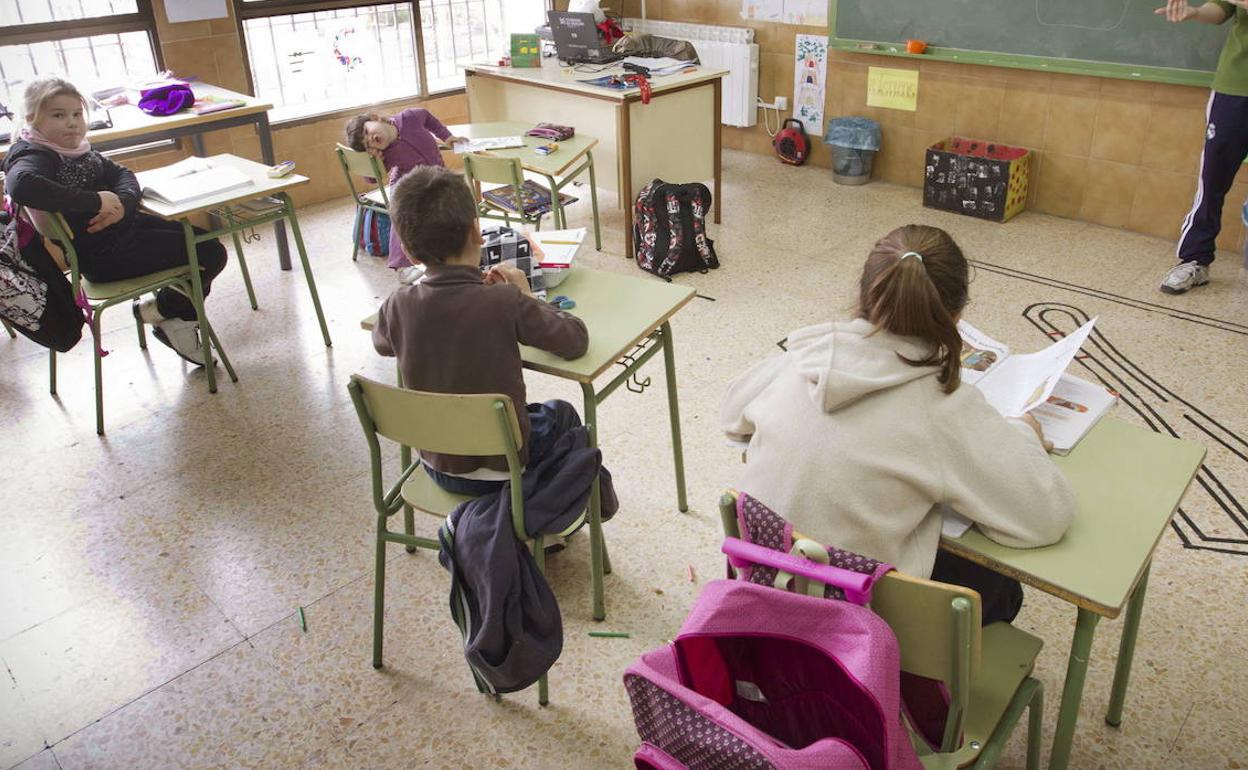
x=914, y=284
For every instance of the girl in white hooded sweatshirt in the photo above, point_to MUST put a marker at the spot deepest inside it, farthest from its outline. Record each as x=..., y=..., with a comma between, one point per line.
x=860, y=431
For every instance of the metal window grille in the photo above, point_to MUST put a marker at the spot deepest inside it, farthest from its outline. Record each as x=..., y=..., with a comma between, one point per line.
x=317, y=56
x=94, y=43
x=319, y=61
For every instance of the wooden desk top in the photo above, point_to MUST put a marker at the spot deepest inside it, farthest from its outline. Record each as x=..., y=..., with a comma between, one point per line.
x=130, y=122
x=1128, y=481
x=261, y=185
x=619, y=311
x=554, y=75
x=569, y=153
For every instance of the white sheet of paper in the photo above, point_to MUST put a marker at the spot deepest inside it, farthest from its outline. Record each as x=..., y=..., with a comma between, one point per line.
x=952, y=523
x=1025, y=380
x=194, y=10
x=487, y=143
x=655, y=63
x=553, y=251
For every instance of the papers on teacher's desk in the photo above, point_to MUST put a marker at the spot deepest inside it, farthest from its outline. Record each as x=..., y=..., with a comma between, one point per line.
x=487, y=143
x=1066, y=406
x=660, y=65
x=191, y=179
x=557, y=248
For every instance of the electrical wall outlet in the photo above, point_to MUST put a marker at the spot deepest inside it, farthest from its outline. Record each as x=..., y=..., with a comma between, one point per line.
x=782, y=103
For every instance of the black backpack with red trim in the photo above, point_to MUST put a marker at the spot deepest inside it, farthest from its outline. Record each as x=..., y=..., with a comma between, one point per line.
x=669, y=229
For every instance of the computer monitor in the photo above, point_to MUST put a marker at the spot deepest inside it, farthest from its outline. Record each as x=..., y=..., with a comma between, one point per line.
x=576, y=38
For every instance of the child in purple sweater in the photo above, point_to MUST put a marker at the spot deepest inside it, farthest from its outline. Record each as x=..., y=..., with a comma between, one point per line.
x=401, y=142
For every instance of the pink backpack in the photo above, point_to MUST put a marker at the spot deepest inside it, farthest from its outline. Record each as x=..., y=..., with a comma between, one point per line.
x=764, y=678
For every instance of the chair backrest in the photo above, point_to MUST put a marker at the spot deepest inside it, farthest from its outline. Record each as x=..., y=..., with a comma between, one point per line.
x=361, y=164
x=937, y=625
x=482, y=424
x=492, y=169
x=51, y=225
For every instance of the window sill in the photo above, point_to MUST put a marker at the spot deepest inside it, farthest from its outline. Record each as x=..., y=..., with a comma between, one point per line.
x=346, y=112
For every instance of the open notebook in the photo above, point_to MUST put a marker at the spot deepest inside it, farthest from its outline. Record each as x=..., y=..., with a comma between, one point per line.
x=1036, y=383
x=191, y=179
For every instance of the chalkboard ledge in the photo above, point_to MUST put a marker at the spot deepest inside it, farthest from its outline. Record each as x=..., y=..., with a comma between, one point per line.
x=1040, y=63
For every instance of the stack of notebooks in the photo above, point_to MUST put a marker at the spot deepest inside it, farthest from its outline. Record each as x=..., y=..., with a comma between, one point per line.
x=536, y=199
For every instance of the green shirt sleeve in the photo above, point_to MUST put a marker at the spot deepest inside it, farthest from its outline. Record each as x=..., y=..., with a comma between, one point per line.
x=1232, y=74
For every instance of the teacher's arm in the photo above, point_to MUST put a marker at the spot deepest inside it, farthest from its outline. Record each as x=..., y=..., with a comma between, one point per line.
x=1209, y=13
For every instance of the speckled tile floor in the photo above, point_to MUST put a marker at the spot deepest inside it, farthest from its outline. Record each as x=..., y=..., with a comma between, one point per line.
x=150, y=578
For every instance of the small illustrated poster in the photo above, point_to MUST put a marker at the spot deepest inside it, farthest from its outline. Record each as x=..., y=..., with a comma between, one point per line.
x=526, y=50
x=809, y=75
x=762, y=10
x=810, y=13
x=895, y=89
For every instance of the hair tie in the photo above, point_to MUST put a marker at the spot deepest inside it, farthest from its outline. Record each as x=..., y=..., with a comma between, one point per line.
x=914, y=254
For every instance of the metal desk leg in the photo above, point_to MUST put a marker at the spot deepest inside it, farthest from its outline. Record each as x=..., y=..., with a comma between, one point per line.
x=1072, y=691
x=1126, y=651
x=307, y=269
x=595, y=509
x=593, y=200
x=279, y=227
x=560, y=217
x=673, y=408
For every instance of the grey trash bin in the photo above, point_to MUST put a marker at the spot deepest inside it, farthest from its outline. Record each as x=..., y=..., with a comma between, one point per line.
x=854, y=142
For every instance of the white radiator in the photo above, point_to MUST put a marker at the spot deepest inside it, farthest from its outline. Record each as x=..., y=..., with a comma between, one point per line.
x=729, y=48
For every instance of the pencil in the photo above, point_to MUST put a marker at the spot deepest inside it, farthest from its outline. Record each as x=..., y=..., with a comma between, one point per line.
x=303, y=622
x=611, y=634
x=561, y=243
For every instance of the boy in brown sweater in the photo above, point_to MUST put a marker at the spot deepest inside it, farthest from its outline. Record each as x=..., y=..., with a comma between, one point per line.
x=457, y=330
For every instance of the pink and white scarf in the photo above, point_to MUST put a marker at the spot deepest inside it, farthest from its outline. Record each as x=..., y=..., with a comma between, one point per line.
x=32, y=134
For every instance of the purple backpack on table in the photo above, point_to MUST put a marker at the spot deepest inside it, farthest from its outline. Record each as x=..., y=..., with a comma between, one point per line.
x=760, y=678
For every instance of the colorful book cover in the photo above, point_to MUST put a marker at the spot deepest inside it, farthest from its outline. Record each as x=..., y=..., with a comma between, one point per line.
x=536, y=198
x=526, y=50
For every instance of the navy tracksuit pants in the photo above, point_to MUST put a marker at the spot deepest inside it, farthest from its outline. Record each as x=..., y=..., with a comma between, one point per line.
x=1226, y=146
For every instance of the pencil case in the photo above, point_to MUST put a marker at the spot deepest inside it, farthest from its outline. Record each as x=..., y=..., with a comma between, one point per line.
x=552, y=131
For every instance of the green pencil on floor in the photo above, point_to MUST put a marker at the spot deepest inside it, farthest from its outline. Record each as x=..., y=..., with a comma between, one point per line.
x=611, y=634
x=303, y=622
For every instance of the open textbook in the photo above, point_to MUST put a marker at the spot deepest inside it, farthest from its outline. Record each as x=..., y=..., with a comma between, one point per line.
x=190, y=179
x=1014, y=384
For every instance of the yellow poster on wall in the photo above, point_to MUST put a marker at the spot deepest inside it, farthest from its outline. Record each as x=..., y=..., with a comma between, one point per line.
x=892, y=88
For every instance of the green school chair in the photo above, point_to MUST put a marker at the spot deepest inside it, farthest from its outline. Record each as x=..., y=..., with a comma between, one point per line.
x=482, y=424
x=101, y=296
x=490, y=169
x=987, y=671
x=360, y=164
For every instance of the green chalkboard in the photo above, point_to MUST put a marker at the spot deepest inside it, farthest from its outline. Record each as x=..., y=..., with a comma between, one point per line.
x=1109, y=38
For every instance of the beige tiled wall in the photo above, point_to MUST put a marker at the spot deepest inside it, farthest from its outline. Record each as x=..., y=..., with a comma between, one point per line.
x=212, y=51
x=1114, y=152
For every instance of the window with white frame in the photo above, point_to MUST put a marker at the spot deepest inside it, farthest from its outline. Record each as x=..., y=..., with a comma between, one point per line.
x=93, y=43
x=317, y=56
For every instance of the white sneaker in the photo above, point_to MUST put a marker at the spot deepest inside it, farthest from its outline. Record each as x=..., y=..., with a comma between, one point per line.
x=183, y=337
x=410, y=274
x=145, y=311
x=1184, y=276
